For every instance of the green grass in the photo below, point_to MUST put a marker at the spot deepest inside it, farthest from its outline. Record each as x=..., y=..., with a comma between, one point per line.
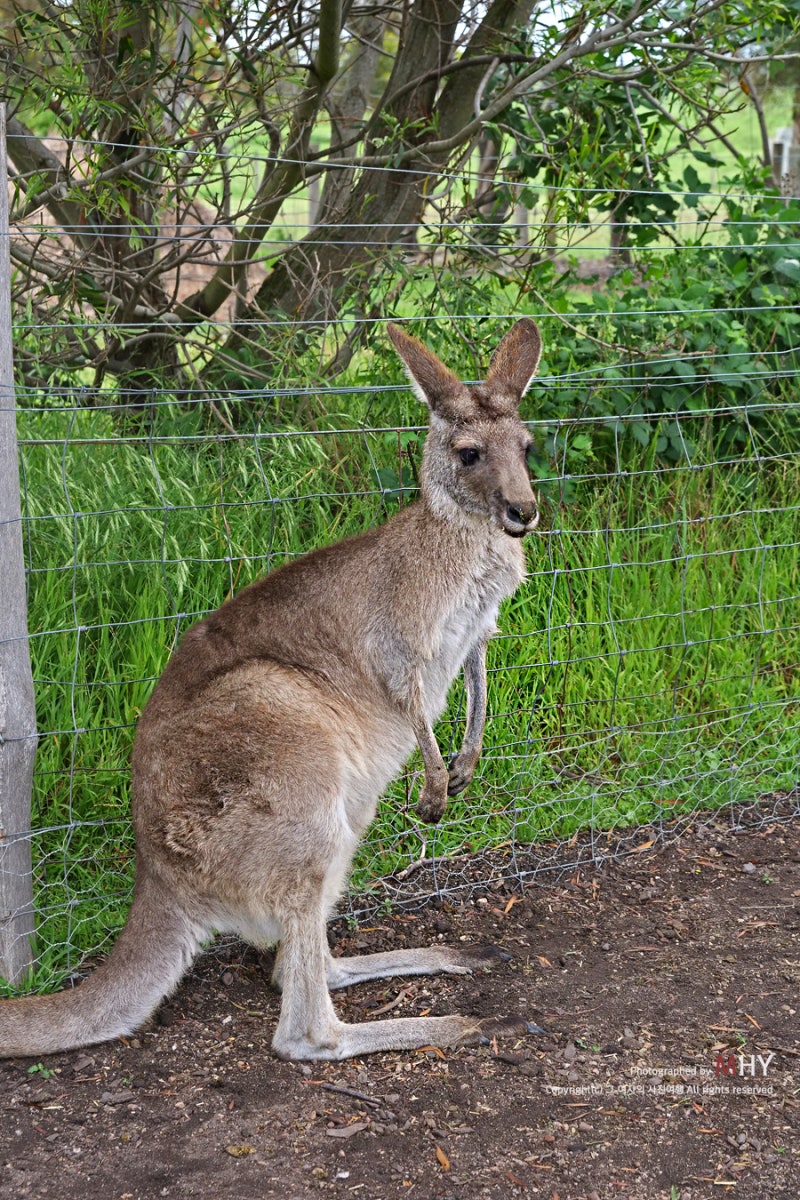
x=643, y=671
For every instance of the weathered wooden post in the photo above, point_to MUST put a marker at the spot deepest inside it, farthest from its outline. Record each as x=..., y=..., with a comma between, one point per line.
x=17, y=708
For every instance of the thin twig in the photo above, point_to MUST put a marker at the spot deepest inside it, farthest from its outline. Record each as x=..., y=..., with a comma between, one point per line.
x=766, y=149
x=640, y=131
x=340, y=1090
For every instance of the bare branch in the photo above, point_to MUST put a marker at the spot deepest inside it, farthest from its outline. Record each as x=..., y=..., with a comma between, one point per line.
x=32, y=157
x=59, y=191
x=749, y=90
x=326, y=63
x=646, y=156
x=690, y=133
x=280, y=183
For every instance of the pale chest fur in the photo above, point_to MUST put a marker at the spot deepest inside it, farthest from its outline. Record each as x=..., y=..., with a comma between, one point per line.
x=469, y=619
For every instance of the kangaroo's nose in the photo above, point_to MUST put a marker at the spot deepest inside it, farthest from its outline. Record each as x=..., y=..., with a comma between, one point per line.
x=521, y=513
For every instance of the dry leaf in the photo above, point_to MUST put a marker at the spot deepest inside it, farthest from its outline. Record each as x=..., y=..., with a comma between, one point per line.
x=346, y=1131
x=433, y=1049
x=444, y=1161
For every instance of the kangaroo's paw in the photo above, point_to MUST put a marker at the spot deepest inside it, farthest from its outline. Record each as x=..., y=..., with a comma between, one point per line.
x=433, y=800
x=462, y=768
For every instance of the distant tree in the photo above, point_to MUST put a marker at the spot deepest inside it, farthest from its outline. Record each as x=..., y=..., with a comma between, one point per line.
x=778, y=65
x=171, y=144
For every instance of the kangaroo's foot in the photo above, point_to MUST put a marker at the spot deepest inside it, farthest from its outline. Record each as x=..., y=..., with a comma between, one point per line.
x=339, y=1040
x=435, y=960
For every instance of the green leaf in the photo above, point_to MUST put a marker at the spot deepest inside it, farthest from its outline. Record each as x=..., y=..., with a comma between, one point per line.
x=640, y=431
x=709, y=159
x=693, y=181
x=790, y=267
x=387, y=480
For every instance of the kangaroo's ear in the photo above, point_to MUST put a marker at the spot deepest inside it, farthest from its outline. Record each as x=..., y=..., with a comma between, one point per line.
x=435, y=384
x=516, y=359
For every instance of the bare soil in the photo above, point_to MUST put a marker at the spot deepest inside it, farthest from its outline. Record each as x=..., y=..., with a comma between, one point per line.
x=667, y=982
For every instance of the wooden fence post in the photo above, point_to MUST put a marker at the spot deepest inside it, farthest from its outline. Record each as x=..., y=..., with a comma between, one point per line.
x=17, y=708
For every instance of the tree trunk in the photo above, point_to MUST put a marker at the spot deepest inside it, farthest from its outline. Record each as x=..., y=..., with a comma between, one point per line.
x=381, y=205
x=347, y=103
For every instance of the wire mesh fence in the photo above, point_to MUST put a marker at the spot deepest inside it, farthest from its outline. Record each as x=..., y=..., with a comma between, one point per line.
x=644, y=675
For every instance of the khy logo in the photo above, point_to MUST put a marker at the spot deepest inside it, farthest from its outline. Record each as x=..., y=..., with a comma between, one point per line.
x=740, y=1065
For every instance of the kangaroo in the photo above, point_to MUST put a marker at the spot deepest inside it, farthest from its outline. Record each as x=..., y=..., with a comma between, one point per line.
x=281, y=718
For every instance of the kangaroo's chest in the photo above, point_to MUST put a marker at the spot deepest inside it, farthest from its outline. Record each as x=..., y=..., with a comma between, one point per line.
x=468, y=622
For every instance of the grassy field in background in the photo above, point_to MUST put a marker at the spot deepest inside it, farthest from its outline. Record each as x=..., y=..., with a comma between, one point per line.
x=644, y=668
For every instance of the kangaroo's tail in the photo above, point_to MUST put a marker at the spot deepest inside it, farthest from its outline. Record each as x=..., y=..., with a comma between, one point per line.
x=153, y=951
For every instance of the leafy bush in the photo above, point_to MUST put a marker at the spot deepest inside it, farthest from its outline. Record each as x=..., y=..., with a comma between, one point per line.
x=707, y=326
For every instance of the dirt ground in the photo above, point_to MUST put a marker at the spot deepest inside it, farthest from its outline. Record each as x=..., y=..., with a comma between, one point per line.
x=667, y=982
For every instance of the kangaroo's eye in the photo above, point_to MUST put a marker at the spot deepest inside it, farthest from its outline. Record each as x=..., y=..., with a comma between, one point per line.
x=469, y=455
x=530, y=453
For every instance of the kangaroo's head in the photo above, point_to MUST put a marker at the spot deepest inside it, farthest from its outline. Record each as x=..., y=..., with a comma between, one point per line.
x=476, y=453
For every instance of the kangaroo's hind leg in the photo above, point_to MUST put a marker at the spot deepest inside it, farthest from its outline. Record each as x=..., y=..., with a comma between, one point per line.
x=308, y=1027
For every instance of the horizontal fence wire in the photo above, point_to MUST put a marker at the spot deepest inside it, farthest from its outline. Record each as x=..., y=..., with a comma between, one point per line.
x=643, y=677
x=466, y=172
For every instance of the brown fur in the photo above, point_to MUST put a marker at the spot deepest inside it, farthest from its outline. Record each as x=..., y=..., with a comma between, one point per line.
x=281, y=718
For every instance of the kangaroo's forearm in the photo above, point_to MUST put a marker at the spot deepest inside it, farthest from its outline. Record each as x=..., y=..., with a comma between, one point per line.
x=435, y=768
x=462, y=767
x=433, y=795
x=475, y=680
